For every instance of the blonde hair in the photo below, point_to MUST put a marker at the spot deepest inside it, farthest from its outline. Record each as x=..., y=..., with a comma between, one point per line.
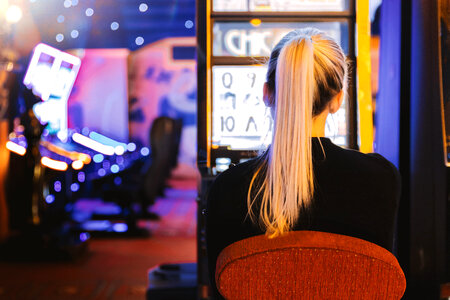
x=306, y=70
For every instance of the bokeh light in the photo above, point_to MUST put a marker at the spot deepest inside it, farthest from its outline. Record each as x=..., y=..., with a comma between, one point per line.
x=189, y=24
x=143, y=7
x=74, y=34
x=114, y=26
x=89, y=12
x=139, y=40
x=13, y=14
x=59, y=37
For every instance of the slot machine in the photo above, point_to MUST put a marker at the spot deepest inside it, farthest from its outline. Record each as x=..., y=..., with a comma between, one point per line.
x=235, y=38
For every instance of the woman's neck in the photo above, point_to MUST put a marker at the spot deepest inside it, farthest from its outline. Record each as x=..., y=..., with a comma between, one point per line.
x=318, y=126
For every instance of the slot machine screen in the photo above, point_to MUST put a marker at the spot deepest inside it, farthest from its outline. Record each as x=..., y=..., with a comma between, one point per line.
x=246, y=39
x=240, y=120
x=280, y=5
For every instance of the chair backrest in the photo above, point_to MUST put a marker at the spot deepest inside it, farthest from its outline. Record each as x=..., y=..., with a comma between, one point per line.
x=308, y=265
x=165, y=135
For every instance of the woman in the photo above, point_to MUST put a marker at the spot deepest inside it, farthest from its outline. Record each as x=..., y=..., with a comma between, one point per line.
x=304, y=181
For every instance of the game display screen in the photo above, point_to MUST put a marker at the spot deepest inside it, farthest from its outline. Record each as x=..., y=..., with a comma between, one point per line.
x=240, y=118
x=244, y=39
x=241, y=121
x=279, y=5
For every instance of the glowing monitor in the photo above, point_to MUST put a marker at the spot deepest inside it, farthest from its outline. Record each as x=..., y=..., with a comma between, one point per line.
x=51, y=75
x=241, y=121
x=280, y=5
x=240, y=118
x=241, y=39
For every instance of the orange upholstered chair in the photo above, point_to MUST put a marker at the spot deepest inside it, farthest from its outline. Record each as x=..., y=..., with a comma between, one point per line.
x=308, y=265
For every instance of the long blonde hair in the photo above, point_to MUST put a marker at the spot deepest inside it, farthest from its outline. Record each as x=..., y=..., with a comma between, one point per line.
x=306, y=70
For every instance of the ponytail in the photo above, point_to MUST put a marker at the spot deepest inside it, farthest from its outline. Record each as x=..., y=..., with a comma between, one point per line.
x=288, y=182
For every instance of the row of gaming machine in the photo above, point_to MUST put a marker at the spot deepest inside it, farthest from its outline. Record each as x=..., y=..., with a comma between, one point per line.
x=51, y=166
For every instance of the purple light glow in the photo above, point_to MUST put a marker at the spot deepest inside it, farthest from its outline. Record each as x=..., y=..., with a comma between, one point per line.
x=81, y=177
x=84, y=236
x=101, y=172
x=117, y=181
x=74, y=187
x=120, y=227
x=57, y=186
x=50, y=199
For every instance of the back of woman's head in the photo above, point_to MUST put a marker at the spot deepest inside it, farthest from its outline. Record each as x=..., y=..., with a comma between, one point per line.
x=306, y=70
x=330, y=67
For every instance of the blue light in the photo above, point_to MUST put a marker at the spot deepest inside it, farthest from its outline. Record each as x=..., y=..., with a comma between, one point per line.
x=89, y=12
x=60, y=19
x=143, y=7
x=101, y=172
x=74, y=187
x=117, y=181
x=74, y=34
x=145, y=151
x=120, y=227
x=84, y=236
x=57, y=186
x=114, y=26
x=85, y=131
x=50, y=199
x=189, y=24
x=81, y=177
x=102, y=139
x=120, y=160
x=139, y=40
x=106, y=164
x=115, y=168
x=96, y=225
x=59, y=37
x=131, y=147
x=98, y=158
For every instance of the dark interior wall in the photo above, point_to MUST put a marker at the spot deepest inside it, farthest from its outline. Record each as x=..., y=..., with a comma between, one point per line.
x=428, y=191
x=409, y=133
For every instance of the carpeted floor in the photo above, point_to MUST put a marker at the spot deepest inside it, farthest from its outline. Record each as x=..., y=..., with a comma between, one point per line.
x=113, y=268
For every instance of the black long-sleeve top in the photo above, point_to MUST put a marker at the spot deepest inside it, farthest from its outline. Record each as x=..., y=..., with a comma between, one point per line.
x=355, y=194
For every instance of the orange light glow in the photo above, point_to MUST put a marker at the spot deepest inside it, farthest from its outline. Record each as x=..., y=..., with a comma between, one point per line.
x=16, y=148
x=255, y=22
x=54, y=164
x=73, y=155
x=77, y=165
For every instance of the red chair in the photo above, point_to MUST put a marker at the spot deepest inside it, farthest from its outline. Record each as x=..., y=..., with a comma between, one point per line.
x=308, y=265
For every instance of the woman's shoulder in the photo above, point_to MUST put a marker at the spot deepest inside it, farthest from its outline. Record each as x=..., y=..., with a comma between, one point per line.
x=228, y=193
x=370, y=163
x=237, y=173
